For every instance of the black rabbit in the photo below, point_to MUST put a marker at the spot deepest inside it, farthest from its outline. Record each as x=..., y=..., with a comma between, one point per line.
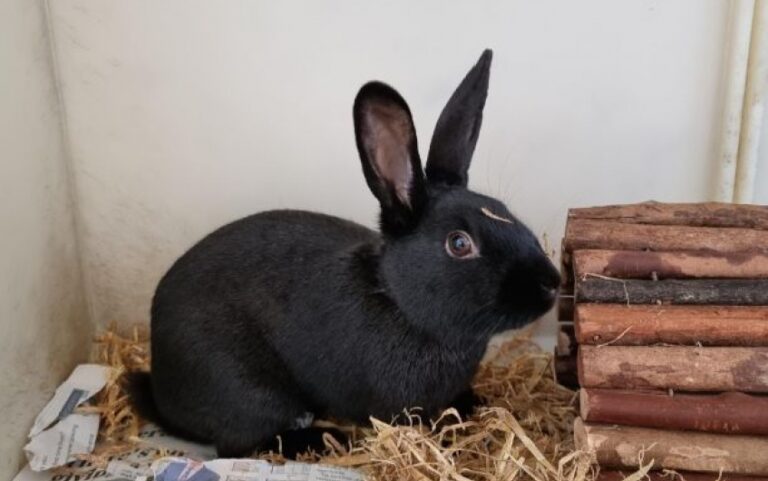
x=285, y=314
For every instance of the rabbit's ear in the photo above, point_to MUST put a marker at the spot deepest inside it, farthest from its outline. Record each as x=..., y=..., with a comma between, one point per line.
x=386, y=141
x=458, y=127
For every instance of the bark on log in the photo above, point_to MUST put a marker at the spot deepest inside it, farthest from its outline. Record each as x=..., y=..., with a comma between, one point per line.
x=749, y=292
x=601, y=234
x=712, y=214
x=623, y=447
x=664, y=265
x=623, y=325
x=608, y=475
x=730, y=413
x=684, y=368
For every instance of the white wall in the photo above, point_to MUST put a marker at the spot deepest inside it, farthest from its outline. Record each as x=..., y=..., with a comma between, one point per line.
x=44, y=327
x=185, y=114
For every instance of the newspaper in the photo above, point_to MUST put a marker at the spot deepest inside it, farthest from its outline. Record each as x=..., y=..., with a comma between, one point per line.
x=141, y=463
x=128, y=465
x=85, y=381
x=249, y=470
x=58, y=434
x=75, y=434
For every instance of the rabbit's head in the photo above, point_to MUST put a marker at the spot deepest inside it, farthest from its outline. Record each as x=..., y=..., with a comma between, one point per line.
x=454, y=261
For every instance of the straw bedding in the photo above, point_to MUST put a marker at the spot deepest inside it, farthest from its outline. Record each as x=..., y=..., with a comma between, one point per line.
x=523, y=430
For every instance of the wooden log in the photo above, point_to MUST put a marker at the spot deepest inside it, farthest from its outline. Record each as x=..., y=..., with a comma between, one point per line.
x=624, y=447
x=739, y=243
x=667, y=265
x=623, y=325
x=736, y=244
x=752, y=292
x=612, y=475
x=674, y=367
x=710, y=214
x=731, y=412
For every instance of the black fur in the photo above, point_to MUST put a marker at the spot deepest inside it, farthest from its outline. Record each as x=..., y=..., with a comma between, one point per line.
x=288, y=312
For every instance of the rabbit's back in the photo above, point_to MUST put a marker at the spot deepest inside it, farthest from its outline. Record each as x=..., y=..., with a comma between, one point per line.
x=270, y=254
x=266, y=235
x=269, y=246
x=267, y=254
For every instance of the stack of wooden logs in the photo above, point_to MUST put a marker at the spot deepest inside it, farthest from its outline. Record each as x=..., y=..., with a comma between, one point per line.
x=664, y=327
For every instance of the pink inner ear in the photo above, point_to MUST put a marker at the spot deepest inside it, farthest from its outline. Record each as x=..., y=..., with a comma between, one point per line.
x=389, y=143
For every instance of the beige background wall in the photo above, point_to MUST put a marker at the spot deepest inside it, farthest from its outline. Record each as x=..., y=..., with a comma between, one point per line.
x=44, y=327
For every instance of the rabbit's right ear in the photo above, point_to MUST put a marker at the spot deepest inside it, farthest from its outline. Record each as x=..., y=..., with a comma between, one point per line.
x=458, y=127
x=386, y=141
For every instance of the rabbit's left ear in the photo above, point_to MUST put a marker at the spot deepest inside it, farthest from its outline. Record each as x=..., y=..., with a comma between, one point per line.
x=458, y=127
x=386, y=141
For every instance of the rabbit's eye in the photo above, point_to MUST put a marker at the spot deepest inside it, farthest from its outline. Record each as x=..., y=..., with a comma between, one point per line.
x=459, y=244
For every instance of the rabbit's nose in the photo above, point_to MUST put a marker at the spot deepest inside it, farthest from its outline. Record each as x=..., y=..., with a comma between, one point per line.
x=548, y=292
x=548, y=285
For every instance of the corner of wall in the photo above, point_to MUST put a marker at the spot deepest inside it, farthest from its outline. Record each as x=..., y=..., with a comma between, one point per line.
x=74, y=193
